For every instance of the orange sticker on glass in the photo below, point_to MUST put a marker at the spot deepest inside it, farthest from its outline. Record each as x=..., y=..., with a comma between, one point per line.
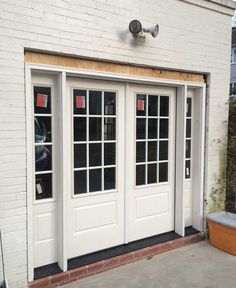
x=42, y=100
x=140, y=105
x=80, y=101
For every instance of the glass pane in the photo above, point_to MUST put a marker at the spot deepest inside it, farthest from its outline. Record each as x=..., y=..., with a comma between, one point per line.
x=163, y=172
x=188, y=128
x=188, y=149
x=140, y=152
x=189, y=107
x=109, y=103
x=109, y=153
x=43, y=158
x=141, y=128
x=95, y=125
x=79, y=129
x=164, y=129
x=164, y=106
x=80, y=182
x=95, y=102
x=141, y=105
x=152, y=105
x=109, y=128
x=95, y=180
x=80, y=103
x=163, y=150
x=95, y=154
x=140, y=175
x=187, y=169
x=152, y=173
x=109, y=178
x=42, y=129
x=152, y=128
x=42, y=100
x=80, y=155
x=152, y=151
x=43, y=186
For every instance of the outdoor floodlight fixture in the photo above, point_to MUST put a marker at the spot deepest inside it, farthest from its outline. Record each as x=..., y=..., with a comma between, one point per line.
x=135, y=27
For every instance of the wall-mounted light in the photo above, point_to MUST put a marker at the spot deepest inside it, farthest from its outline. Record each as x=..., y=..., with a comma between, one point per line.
x=135, y=27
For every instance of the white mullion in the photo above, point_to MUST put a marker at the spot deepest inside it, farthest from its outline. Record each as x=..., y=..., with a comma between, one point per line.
x=43, y=143
x=43, y=172
x=87, y=138
x=45, y=114
x=102, y=143
x=146, y=143
x=158, y=135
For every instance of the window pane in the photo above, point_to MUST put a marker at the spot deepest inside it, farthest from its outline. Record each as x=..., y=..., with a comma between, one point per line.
x=95, y=102
x=80, y=182
x=95, y=125
x=80, y=102
x=187, y=169
x=163, y=150
x=164, y=129
x=140, y=175
x=109, y=128
x=141, y=128
x=152, y=105
x=95, y=154
x=43, y=186
x=79, y=129
x=188, y=149
x=188, y=128
x=109, y=178
x=152, y=128
x=109, y=103
x=163, y=172
x=109, y=153
x=42, y=100
x=141, y=105
x=42, y=129
x=80, y=155
x=164, y=106
x=140, y=152
x=95, y=180
x=152, y=151
x=43, y=158
x=152, y=173
x=189, y=107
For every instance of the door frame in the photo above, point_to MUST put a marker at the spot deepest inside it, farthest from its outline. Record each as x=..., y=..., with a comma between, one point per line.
x=198, y=184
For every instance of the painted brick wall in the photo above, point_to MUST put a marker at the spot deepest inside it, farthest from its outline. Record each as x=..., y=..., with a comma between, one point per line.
x=191, y=38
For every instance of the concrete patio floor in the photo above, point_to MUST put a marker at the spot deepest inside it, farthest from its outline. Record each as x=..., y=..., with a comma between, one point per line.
x=198, y=265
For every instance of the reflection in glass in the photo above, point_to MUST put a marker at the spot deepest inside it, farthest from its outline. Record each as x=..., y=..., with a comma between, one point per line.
x=152, y=105
x=80, y=182
x=42, y=100
x=163, y=150
x=80, y=101
x=109, y=153
x=95, y=180
x=189, y=107
x=164, y=128
x=152, y=151
x=95, y=125
x=152, y=128
x=140, y=128
x=188, y=149
x=187, y=169
x=163, y=172
x=42, y=129
x=152, y=173
x=95, y=102
x=164, y=106
x=109, y=178
x=140, y=175
x=140, y=152
x=80, y=155
x=109, y=103
x=43, y=158
x=141, y=105
x=109, y=128
x=79, y=129
x=188, y=128
x=95, y=154
x=43, y=186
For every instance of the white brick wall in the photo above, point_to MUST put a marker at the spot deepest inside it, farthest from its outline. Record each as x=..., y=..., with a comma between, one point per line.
x=191, y=38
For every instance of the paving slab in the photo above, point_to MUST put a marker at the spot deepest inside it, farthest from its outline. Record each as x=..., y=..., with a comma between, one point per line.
x=197, y=265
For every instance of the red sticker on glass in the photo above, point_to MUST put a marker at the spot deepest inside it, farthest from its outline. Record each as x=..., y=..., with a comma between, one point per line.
x=42, y=100
x=80, y=101
x=140, y=105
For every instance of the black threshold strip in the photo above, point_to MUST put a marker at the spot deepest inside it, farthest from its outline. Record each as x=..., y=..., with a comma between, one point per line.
x=77, y=262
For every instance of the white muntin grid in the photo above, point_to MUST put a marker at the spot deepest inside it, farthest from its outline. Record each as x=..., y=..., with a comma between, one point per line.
x=158, y=139
x=103, y=141
x=49, y=144
x=188, y=174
